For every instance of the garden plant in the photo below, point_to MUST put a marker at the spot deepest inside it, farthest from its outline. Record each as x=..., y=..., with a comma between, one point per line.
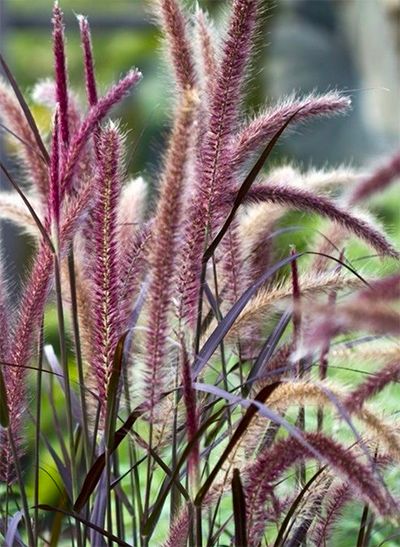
x=211, y=384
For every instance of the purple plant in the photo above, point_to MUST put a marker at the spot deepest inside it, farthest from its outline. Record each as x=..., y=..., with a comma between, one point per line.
x=103, y=260
x=193, y=366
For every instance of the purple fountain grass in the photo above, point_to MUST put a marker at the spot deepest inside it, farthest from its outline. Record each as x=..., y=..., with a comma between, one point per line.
x=24, y=333
x=162, y=254
x=91, y=121
x=355, y=315
x=234, y=268
x=232, y=74
x=368, y=186
x=271, y=463
x=175, y=27
x=380, y=179
x=90, y=78
x=260, y=130
x=133, y=243
x=304, y=200
x=60, y=71
x=208, y=65
x=54, y=181
x=337, y=496
x=179, y=530
x=86, y=40
x=373, y=385
x=215, y=155
x=13, y=118
x=387, y=288
x=4, y=314
x=104, y=258
x=133, y=266
x=25, y=327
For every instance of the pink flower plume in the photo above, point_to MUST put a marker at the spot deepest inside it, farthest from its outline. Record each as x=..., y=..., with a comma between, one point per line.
x=60, y=73
x=175, y=28
x=86, y=40
x=262, y=128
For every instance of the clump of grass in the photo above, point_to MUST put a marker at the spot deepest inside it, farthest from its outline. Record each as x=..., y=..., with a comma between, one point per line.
x=193, y=381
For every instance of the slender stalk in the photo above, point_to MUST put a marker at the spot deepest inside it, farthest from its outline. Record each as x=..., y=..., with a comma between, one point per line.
x=24, y=499
x=301, y=422
x=109, y=494
x=134, y=477
x=78, y=356
x=175, y=496
x=222, y=348
x=148, y=479
x=118, y=507
x=37, y=433
x=198, y=525
x=363, y=525
x=67, y=384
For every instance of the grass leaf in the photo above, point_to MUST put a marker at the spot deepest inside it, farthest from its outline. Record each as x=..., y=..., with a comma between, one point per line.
x=239, y=510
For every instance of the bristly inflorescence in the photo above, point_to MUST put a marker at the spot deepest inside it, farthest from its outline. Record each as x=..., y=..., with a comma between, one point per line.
x=141, y=301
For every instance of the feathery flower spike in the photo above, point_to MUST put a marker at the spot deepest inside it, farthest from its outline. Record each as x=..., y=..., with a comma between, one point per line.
x=304, y=200
x=378, y=181
x=89, y=124
x=175, y=25
x=104, y=259
x=86, y=40
x=60, y=74
x=271, y=463
x=373, y=385
x=30, y=312
x=215, y=156
x=161, y=257
x=207, y=50
x=54, y=181
x=14, y=119
x=262, y=128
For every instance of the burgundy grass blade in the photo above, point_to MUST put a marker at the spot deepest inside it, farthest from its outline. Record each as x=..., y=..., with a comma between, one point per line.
x=189, y=397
